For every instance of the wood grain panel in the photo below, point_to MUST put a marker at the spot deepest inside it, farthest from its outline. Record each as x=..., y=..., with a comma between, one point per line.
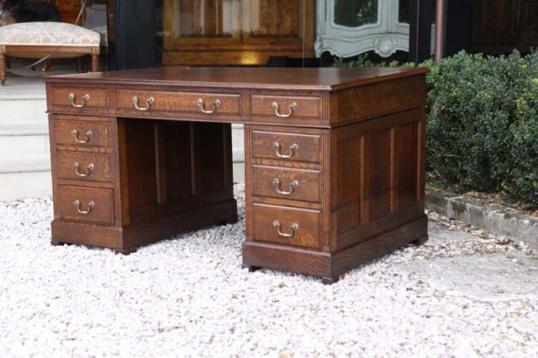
x=102, y=211
x=212, y=148
x=141, y=166
x=379, y=146
x=178, y=159
x=67, y=166
x=377, y=99
x=348, y=185
x=65, y=125
x=369, y=158
x=59, y=98
x=262, y=105
x=182, y=102
x=308, y=220
x=408, y=166
x=308, y=147
x=308, y=183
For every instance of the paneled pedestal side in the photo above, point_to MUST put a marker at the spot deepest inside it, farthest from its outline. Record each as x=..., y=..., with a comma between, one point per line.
x=334, y=160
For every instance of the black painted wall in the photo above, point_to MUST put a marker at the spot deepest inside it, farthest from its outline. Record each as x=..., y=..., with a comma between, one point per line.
x=420, y=21
x=458, y=26
x=459, y=18
x=136, y=42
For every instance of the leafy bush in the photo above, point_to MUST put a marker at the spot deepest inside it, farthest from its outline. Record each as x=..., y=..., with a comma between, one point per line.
x=521, y=179
x=482, y=131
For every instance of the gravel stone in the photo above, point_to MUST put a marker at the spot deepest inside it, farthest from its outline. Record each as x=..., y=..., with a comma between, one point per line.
x=189, y=296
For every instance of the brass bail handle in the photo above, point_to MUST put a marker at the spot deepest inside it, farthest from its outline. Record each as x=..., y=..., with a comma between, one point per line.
x=76, y=136
x=214, y=106
x=84, y=100
x=291, y=110
x=149, y=102
x=291, y=150
x=91, y=206
x=291, y=187
x=292, y=229
x=89, y=170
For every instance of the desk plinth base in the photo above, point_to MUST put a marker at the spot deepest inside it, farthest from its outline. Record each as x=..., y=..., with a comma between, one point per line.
x=128, y=239
x=329, y=266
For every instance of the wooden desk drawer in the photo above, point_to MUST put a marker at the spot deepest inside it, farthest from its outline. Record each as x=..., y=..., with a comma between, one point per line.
x=285, y=225
x=285, y=146
x=293, y=184
x=206, y=104
x=85, y=133
x=83, y=166
x=90, y=205
x=285, y=107
x=84, y=99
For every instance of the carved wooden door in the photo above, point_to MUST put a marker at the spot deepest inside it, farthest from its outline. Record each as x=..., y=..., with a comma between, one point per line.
x=350, y=27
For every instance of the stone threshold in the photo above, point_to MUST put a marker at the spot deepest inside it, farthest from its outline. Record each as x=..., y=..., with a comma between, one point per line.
x=496, y=220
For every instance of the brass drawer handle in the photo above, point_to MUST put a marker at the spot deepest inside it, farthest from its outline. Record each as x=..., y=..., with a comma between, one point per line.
x=292, y=149
x=91, y=206
x=293, y=229
x=89, y=169
x=292, y=186
x=214, y=106
x=291, y=109
x=149, y=102
x=76, y=135
x=72, y=100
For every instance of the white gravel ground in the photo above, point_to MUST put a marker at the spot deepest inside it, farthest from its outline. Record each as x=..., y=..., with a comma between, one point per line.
x=189, y=297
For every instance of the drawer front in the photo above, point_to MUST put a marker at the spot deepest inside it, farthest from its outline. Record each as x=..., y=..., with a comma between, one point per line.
x=284, y=146
x=83, y=166
x=293, y=184
x=90, y=205
x=79, y=98
x=208, y=104
x=285, y=107
x=82, y=133
x=285, y=225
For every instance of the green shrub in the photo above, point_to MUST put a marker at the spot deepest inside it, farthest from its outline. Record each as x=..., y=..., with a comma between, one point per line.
x=521, y=178
x=482, y=131
x=482, y=125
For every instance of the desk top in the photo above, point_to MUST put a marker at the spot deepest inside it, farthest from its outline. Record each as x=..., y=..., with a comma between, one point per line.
x=326, y=78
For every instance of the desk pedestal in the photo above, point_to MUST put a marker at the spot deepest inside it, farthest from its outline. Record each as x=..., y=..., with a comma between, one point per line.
x=157, y=179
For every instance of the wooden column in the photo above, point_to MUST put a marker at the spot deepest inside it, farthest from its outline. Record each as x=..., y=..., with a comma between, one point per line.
x=440, y=30
x=3, y=64
x=95, y=60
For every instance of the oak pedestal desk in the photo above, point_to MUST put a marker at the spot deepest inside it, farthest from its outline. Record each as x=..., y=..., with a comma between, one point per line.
x=334, y=160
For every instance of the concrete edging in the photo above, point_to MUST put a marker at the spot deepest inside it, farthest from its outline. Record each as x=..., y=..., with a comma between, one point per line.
x=496, y=220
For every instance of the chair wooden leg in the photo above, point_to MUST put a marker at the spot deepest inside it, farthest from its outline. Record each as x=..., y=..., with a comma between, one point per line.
x=3, y=68
x=95, y=62
x=47, y=64
x=80, y=64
